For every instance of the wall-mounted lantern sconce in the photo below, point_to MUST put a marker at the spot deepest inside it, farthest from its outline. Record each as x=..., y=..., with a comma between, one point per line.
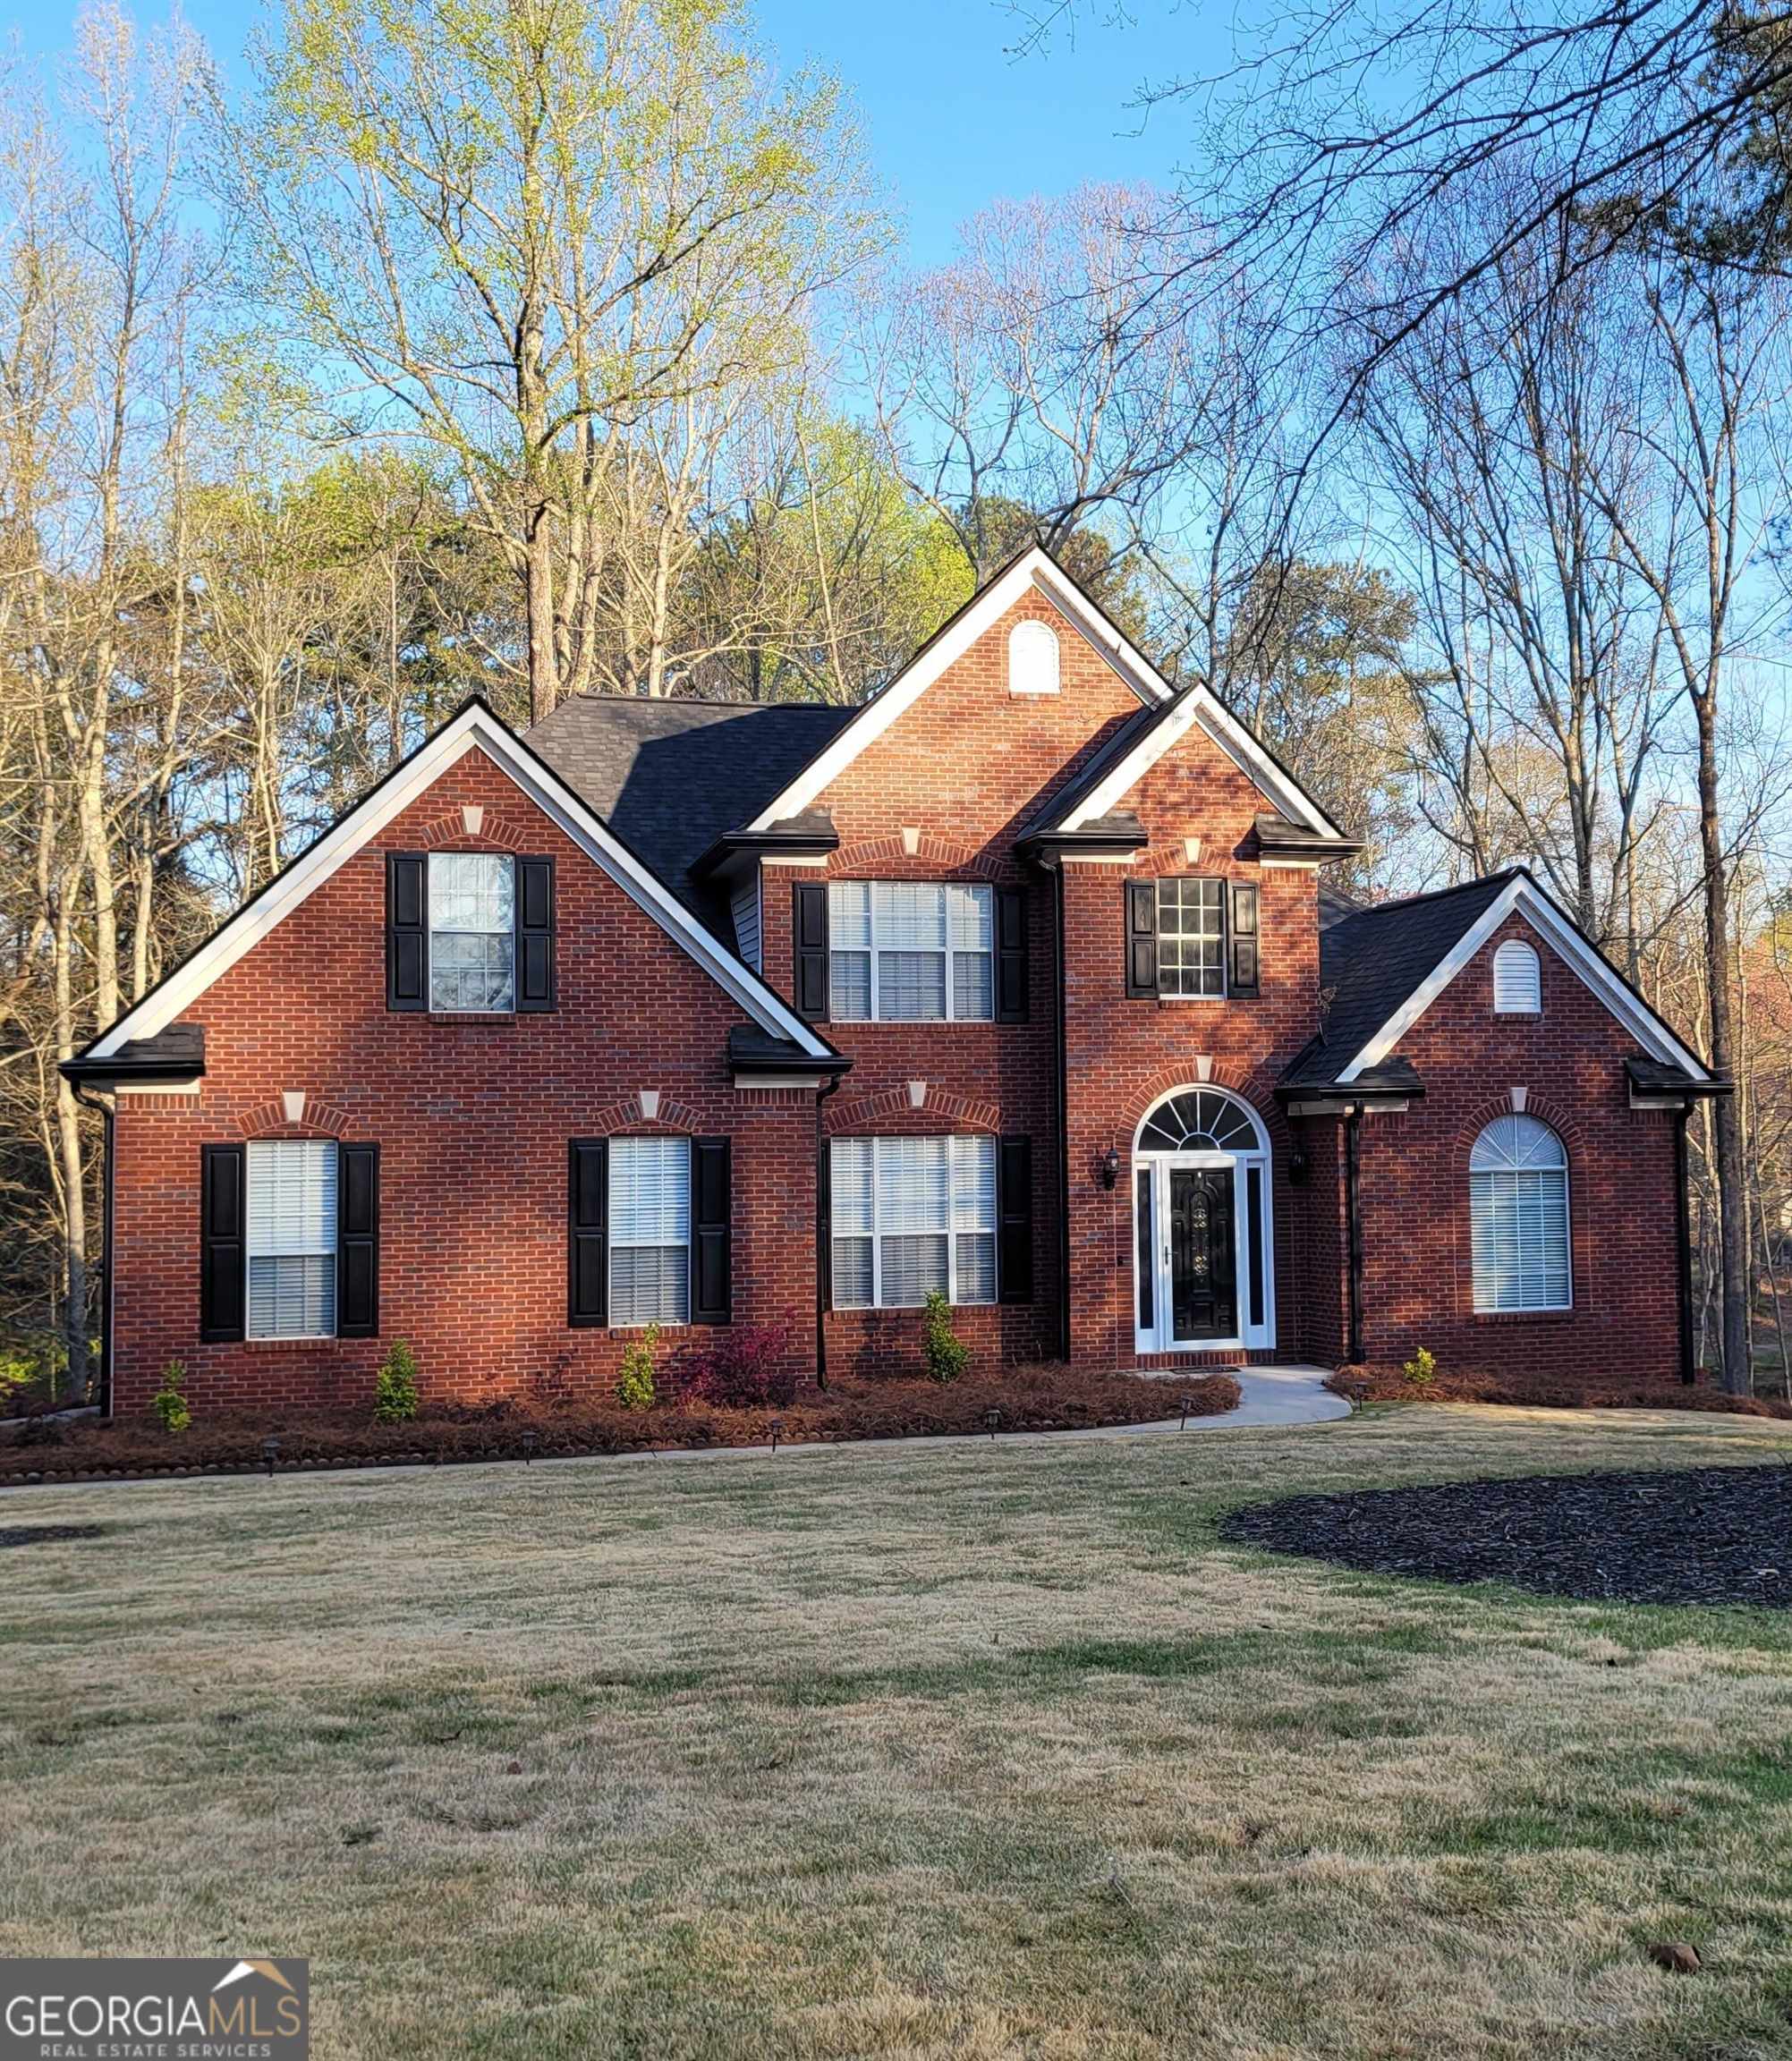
x=1110, y=1167
x=1297, y=1170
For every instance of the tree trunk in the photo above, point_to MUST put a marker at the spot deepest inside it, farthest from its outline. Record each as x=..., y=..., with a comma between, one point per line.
x=1732, y=1233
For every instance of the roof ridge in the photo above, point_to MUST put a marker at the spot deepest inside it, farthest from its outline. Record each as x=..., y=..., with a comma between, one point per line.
x=708, y=701
x=1436, y=893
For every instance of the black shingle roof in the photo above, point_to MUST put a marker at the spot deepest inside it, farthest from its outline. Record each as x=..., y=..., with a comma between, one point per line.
x=1370, y=961
x=172, y=1053
x=669, y=777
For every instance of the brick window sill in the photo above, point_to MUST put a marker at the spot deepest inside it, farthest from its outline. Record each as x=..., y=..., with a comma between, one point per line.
x=1524, y=1316
x=473, y=1018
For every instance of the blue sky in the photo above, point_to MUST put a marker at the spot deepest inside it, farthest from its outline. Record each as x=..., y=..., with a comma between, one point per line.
x=953, y=120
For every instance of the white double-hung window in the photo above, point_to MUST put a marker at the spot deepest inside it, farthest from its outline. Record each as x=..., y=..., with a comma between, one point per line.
x=290, y=1236
x=650, y=1231
x=911, y=952
x=473, y=930
x=910, y=1216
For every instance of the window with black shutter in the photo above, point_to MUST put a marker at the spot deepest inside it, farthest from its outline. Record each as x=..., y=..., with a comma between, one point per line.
x=711, y=1233
x=535, y=974
x=588, y=1198
x=1141, y=937
x=405, y=931
x=1011, y=955
x=358, y=1242
x=1015, y=1220
x=1243, y=942
x=222, y=1233
x=808, y=932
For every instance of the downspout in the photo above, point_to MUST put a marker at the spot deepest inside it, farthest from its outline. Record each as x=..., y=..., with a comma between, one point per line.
x=1353, y=1230
x=1683, y=1220
x=1061, y=1092
x=108, y=1112
x=823, y=1231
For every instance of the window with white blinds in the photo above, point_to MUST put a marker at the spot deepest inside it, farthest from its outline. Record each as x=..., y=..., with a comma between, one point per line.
x=911, y=952
x=910, y=1216
x=1518, y=979
x=1518, y=1212
x=291, y=1238
x=473, y=930
x=650, y=1231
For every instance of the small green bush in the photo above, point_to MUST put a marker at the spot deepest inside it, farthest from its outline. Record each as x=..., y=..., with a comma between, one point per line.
x=1422, y=1371
x=947, y=1354
x=394, y=1388
x=171, y=1404
x=635, y=1386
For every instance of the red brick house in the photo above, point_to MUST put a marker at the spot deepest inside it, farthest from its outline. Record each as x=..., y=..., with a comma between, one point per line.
x=1019, y=981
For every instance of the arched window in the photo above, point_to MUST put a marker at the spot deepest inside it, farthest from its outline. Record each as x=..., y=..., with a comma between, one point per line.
x=1200, y=1120
x=1518, y=1210
x=1033, y=659
x=1517, y=981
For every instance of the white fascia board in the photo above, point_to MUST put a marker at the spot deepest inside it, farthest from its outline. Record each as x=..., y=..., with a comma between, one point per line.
x=1222, y=728
x=1555, y=927
x=1034, y=570
x=474, y=728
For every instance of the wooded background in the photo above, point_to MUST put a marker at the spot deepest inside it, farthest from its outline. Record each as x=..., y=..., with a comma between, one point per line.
x=545, y=347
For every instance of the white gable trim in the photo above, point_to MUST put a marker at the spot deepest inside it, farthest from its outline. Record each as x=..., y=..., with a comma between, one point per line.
x=1202, y=706
x=475, y=728
x=1526, y=899
x=1033, y=569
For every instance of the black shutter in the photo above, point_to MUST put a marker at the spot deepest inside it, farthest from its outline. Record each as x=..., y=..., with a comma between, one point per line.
x=588, y=1217
x=1242, y=941
x=221, y=1242
x=1011, y=955
x=406, y=936
x=534, y=933
x=1141, y=937
x=711, y=1233
x=358, y=1242
x=1014, y=1214
x=809, y=935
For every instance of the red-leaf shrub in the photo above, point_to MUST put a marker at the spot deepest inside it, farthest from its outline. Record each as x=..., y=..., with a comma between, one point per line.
x=746, y=1368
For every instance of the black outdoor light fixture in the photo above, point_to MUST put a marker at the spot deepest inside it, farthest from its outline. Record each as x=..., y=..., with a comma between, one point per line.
x=1297, y=1169
x=1187, y=1405
x=270, y=1453
x=776, y=1426
x=1110, y=1167
x=528, y=1439
x=992, y=1418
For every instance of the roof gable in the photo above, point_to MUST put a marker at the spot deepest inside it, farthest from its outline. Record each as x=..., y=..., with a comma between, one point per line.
x=473, y=728
x=1388, y=963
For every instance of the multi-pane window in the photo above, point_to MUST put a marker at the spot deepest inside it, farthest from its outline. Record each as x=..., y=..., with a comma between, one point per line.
x=911, y=952
x=291, y=1235
x=650, y=1225
x=913, y=1214
x=472, y=932
x=1518, y=1215
x=1192, y=937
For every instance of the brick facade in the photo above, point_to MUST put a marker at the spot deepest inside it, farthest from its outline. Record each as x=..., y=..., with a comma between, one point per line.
x=473, y=1116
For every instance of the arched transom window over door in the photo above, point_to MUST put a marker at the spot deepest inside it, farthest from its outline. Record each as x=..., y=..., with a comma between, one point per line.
x=1518, y=1214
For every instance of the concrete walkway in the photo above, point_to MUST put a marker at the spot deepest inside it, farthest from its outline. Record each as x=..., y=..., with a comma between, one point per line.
x=1281, y=1395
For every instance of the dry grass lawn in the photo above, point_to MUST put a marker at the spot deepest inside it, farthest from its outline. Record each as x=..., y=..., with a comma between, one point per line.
x=924, y=1751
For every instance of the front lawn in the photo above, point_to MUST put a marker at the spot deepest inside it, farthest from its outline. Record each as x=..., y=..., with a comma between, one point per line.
x=969, y=1751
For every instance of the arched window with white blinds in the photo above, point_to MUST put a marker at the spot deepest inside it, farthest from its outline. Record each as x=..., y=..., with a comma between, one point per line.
x=1517, y=981
x=1518, y=1211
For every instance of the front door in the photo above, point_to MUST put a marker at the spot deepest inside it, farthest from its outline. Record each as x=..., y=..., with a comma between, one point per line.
x=1203, y=1253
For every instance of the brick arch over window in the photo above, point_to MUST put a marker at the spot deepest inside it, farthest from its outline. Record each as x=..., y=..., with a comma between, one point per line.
x=1255, y=1088
x=626, y=1115
x=495, y=830
x=269, y=1120
x=943, y=1110
x=932, y=856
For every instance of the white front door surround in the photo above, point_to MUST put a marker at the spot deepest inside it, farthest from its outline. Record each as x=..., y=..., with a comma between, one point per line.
x=1203, y=1272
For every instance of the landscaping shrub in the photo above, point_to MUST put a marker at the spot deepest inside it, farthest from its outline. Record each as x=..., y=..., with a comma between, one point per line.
x=947, y=1354
x=1421, y=1369
x=170, y=1403
x=746, y=1369
x=635, y=1386
x=394, y=1388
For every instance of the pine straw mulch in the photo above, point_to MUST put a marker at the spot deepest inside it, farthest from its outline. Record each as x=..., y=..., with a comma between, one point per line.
x=1563, y=1390
x=1023, y=1398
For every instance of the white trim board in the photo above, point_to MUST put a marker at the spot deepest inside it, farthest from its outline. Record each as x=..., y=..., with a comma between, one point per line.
x=1033, y=569
x=475, y=728
x=1524, y=897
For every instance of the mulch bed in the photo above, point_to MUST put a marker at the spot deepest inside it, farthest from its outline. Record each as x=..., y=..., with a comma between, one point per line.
x=1025, y=1398
x=1690, y=1535
x=1595, y=1389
